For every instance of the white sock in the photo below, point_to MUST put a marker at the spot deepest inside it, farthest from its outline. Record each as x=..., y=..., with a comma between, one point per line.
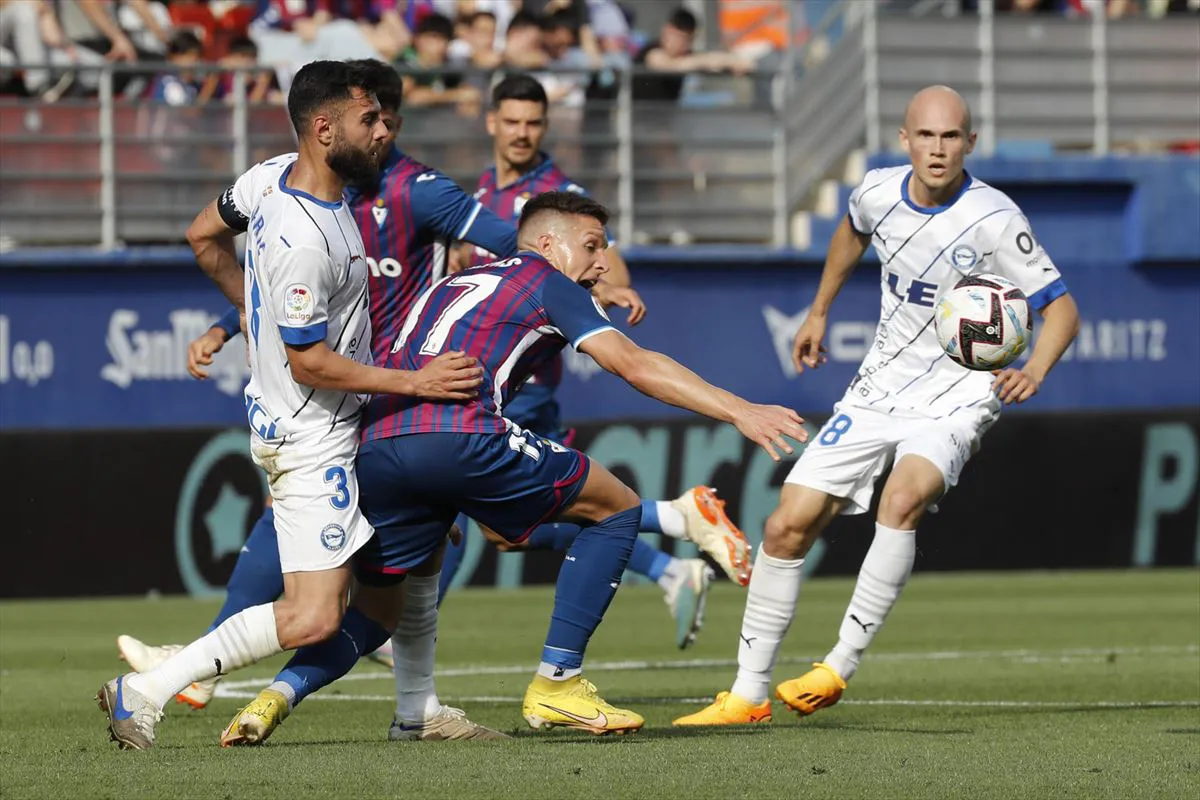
x=770, y=605
x=670, y=574
x=285, y=689
x=414, y=646
x=557, y=673
x=243, y=639
x=672, y=521
x=881, y=578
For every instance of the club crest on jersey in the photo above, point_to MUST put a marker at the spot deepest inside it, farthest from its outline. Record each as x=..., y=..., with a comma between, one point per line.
x=964, y=257
x=298, y=303
x=380, y=212
x=333, y=537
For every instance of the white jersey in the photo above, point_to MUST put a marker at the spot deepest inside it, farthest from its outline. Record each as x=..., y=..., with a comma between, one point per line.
x=306, y=282
x=924, y=252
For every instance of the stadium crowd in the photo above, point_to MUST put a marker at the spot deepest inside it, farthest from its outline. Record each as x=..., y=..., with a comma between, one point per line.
x=451, y=51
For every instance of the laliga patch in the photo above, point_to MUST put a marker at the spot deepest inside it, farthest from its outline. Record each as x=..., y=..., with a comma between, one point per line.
x=333, y=537
x=298, y=303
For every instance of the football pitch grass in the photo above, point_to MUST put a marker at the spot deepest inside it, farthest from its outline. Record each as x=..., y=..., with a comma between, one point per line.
x=1037, y=685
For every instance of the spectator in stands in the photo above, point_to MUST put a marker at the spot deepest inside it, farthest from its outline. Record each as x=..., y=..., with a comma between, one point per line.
x=380, y=21
x=31, y=34
x=243, y=54
x=523, y=43
x=672, y=57
x=560, y=40
x=501, y=10
x=575, y=15
x=474, y=50
x=177, y=87
x=148, y=25
x=426, y=82
x=92, y=24
x=291, y=33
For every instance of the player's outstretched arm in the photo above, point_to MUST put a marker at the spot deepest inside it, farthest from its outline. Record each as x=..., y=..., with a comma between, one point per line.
x=1060, y=324
x=845, y=249
x=212, y=242
x=665, y=379
x=450, y=376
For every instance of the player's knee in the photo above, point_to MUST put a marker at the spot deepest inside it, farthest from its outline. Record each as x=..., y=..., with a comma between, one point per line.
x=787, y=535
x=901, y=507
x=311, y=626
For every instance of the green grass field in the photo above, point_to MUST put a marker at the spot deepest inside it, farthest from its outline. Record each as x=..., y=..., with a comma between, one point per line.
x=1008, y=686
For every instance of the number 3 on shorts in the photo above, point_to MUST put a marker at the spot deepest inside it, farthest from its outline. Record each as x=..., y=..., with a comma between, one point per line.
x=341, y=492
x=834, y=429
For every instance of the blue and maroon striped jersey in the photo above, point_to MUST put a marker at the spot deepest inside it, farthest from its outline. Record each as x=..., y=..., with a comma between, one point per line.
x=513, y=316
x=408, y=222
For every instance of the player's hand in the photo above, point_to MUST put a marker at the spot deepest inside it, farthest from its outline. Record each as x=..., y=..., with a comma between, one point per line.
x=807, y=350
x=770, y=427
x=122, y=50
x=201, y=350
x=450, y=376
x=623, y=296
x=1015, y=385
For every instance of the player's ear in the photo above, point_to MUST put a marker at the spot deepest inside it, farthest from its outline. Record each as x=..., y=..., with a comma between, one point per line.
x=491, y=123
x=903, y=136
x=971, y=137
x=321, y=127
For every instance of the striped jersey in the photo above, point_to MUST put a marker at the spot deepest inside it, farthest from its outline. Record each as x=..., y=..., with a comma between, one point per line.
x=408, y=221
x=924, y=252
x=511, y=315
x=507, y=202
x=306, y=282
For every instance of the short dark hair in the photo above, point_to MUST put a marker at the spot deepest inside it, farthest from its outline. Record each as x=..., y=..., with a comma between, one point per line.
x=320, y=83
x=384, y=81
x=683, y=19
x=524, y=19
x=437, y=24
x=562, y=203
x=519, y=87
x=243, y=46
x=184, y=41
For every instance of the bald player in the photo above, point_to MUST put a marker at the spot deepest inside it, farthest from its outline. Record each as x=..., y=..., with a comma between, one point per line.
x=932, y=224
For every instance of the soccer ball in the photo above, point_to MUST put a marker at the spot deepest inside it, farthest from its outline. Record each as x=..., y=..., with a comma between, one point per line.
x=984, y=322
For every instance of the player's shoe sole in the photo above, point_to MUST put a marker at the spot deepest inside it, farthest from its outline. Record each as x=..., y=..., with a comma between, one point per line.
x=575, y=703
x=257, y=721
x=688, y=599
x=382, y=655
x=448, y=725
x=727, y=709
x=818, y=688
x=710, y=528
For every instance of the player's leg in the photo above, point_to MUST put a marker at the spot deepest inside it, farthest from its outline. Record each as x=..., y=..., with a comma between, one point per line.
x=452, y=558
x=835, y=474
x=928, y=462
x=587, y=582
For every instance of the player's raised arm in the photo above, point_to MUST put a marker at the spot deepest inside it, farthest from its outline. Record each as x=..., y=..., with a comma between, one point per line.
x=211, y=237
x=665, y=379
x=845, y=249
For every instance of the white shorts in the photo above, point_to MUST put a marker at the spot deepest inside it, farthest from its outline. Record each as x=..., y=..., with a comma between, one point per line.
x=857, y=443
x=315, y=493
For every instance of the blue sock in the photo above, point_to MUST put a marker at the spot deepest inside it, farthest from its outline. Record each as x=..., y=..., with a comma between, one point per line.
x=649, y=561
x=587, y=582
x=553, y=536
x=256, y=577
x=452, y=559
x=318, y=665
x=650, y=523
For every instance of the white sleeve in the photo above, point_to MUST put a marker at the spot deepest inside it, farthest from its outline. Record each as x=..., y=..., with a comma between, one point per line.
x=1022, y=259
x=236, y=204
x=860, y=217
x=300, y=302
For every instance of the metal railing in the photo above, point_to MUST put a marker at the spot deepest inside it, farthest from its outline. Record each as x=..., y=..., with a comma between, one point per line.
x=732, y=163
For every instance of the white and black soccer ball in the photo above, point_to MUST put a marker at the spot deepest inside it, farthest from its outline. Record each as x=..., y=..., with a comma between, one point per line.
x=984, y=322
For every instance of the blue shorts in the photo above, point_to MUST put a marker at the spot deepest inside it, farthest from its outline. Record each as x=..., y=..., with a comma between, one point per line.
x=412, y=487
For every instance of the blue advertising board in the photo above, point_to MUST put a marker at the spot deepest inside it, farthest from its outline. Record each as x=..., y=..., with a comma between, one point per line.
x=101, y=348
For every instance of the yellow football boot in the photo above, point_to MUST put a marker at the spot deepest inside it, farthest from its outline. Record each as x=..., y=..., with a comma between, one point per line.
x=574, y=703
x=729, y=709
x=254, y=723
x=820, y=687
